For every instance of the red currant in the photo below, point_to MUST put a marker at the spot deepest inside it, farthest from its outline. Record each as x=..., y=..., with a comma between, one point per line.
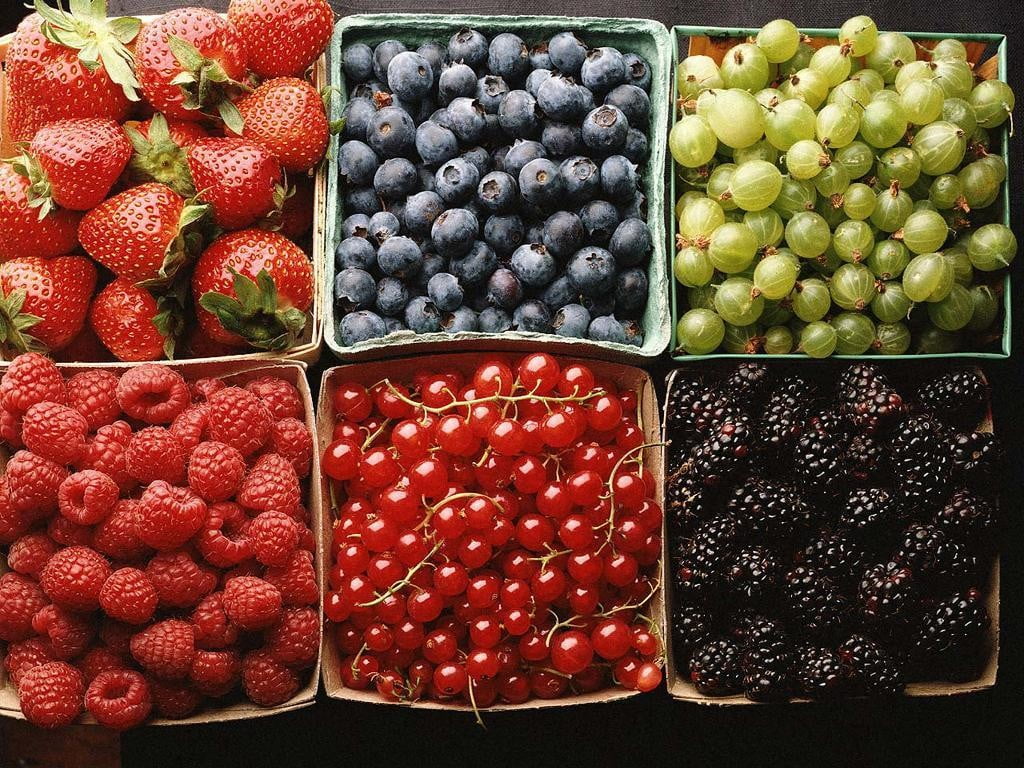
x=341, y=459
x=506, y=437
x=352, y=401
x=575, y=380
x=611, y=639
x=455, y=436
x=493, y=377
x=539, y=373
x=571, y=652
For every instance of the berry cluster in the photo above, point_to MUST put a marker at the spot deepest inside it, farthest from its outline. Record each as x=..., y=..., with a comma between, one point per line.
x=159, y=548
x=491, y=186
x=829, y=541
x=497, y=536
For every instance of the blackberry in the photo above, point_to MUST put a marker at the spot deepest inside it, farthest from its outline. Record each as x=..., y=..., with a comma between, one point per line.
x=887, y=592
x=837, y=556
x=748, y=627
x=819, y=672
x=751, y=575
x=782, y=422
x=723, y=453
x=768, y=670
x=768, y=510
x=966, y=517
x=687, y=500
x=747, y=383
x=921, y=547
x=814, y=602
x=871, y=666
x=699, y=566
x=867, y=398
x=978, y=459
x=818, y=456
x=715, y=667
x=712, y=408
x=865, y=461
x=683, y=393
x=951, y=634
x=868, y=511
x=691, y=626
x=958, y=397
x=921, y=463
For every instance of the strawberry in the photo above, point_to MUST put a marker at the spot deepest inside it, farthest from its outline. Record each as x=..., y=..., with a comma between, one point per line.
x=253, y=288
x=238, y=178
x=297, y=211
x=132, y=324
x=84, y=347
x=145, y=233
x=287, y=116
x=22, y=232
x=282, y=37
x=159, y=148
x=189, y=60
x=48, y=298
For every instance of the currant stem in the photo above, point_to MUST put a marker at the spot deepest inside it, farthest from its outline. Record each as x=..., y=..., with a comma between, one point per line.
x=403, y=582
x=370, y=438
x=495, y=398
x=472, y=703
x=611, y=482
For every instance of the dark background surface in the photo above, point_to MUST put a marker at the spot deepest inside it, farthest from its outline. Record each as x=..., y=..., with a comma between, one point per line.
x=980, y=729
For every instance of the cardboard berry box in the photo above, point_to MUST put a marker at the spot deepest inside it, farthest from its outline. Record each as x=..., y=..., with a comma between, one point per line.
x=236, y=374
x=401, y=371
x=677, y=679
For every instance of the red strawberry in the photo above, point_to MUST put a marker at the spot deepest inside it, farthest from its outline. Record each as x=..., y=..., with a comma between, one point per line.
x=23, y=232
x=132, y=324
x=286, y=115
x=283, y=37
x=237, y=177
x=44, y=301
x=159, y=148
x=84, y=347
x=254, y=288
x=297, y=211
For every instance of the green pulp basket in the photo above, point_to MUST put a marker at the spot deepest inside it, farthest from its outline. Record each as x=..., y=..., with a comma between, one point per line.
x=680, y=34
x=647, y=38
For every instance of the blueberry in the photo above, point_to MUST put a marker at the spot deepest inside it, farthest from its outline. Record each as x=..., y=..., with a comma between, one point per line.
x=396, y=208
x=604, y=129
x=456, y=80
x=497, y=192
x=461, y=319
x=494, y=320
x=599, y=305
x=357, y=61
x=559, y=293
x=420, y=211
x=522, y=152
x=600, y=218
x=509, y=57
x=591, y=270
x=421, y=316
x=519, y=115
x=581, y=178
x=362, y=200
x=444, y=290
x=504, y=289
x=533, y=265
x=493, y=135
x=567, y=52
x=456, y=181
x=394, y=325
x=532, y=316
x=638, y=72
x=630, y=292
x=634, y=332
x=357, y=163
x=369, y=90
x=399, y=256
x=603, y=69
x=432, y=264
x=437, y=55
x=357, y=115
x=354, y=252
x=535, y=79
x=498, y=157
x=392, y=296
x=635, y=208
x=504, y=233
x=477, y=266
x=630, y=244
x=426, y=178
x=469, y=47
x=563, y=234
x=635, y=147
x=571, y=320
x=561, y=139
x=382, y=56
x=395, y=179
x=391, y=132
x=539, y=57
x=475, y=208
x=454, y=232
x=356, y=225
x=541, y=184
x=480, y=158
x=634, y=103
x=410, y=76
x=420, y=110
x=360, y=326
x=562, y=99
x=490, y=89
x=618, y=179
x=354, y=289
x=607, y=328
x=383, y=225
x=466, y=118
x=435, y=144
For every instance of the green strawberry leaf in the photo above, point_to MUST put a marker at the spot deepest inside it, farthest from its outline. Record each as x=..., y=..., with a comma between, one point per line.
x=231, y=116
x=187, y=55
x=255, y=314
x=14, y=323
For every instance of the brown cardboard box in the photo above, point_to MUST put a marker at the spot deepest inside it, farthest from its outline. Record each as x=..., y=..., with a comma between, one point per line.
x=626, y=377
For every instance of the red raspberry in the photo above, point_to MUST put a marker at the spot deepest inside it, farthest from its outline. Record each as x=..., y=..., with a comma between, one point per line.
x=251, y=603
x=297, y=580
x=117, y=636
x=128, y=595
x=23, y=656
x=215, y=471
x=108, y=451
x=168, y=515
x=72, y=578
x=20, y=600
x=51, y=694
x=155, y=454
x=179, y=581
x=224, y=539
x=13, y=522
x=295, y=640
x=30, y=379
x=87, y=497
x=94, y=395
x=212, y=627
x=307, y=540
x=32, y=482
x=271, y=484
x=173, y=700
x=265, y=681
x=189, y=426
x=152, y=393
x=119, y=699
x=29, y=553
x=10, y=428
x=290, y=438
x=54, y=432
x=240, y=419
x=202, y=388
x=274, y=536
x=251, y=567
x=68, y=534
x=117, y=536
x=216, y=673
x=69, y=633
x=165, y=649
x=281, y=398
x=99, y=659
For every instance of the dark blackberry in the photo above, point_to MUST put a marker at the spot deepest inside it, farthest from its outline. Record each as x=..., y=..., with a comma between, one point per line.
x=768, y=510
x=951, y=635
x=751, y=575
x=868, y=511
x=958, y=397
x=818, y=456
x=701, y=557
x=715, y=667
x=782, y=422
x=867, y=398
x=978, y=460
x=687, y=500
x=747, y=384
x=723, y=453
x=819, y=672
x=966, y=517
x=921, y=464
x=815, y=604
x=749, y=627
x=887, y=593
x=871, y=666
x=865, y=461
x=837, y=556
x=691, y=626
x=768, y=670
x=684, y=392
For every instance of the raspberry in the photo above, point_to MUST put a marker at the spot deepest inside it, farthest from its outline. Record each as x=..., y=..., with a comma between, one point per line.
x=271, y=484
x=297, y=580
x=32, y=483
x=190, y=426
x=152, y=393
x=281, y=398
x=295, y=639
x=173, y=700
x=290, y=438
x=215, y=471
x=251, y=603
x=211, y=624
x=69, y=633
x=265, y=681
x=10, y=428
x=51, y=694
x=29, y=553
x=155, y=454
x=67, y=533
x=240, y=419
x=168, y=516
x=23, y=656
x=307, y=540
x=128, y=595
x=165, y=649
x=30, y=379
x=20, y=599
x=117, y=636
x=202, y=388
x=13, y=523
x=99, y=659
x=87, y=497
x=117, y=536
x=94, y=395
x=274, y=536
x=250, y=567
x=119, y=699
x=54, y=432
x=107, y=452
x=216, y=673
x=179, y=581
x=224, y=539
x=72, y=578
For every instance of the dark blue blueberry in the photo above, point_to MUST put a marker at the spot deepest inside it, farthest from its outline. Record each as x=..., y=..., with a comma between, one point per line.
x=461, y=319
x=437, y=55
x=456, y=181
x=420, y=110
x=493, y=135
x=634, y=103
x=635, y=208
x=497, y=192
x=634, y=333
x=571, y=320
x=440, y=116
x=475, y=208
x=356, y=225
x=410, y=76
x=361, y=200
x=519, y=115
x=603, y=69
x=392, y=296
x=395, y=179
x=504, y=233
x=382, y=56
x=618, y=179
x=435, y=143
x=469, y=47
x=591, y=270
x=638, y=71
x=357, y=61
x=607, y=328
x=369, y=90
x=480, y=158
x=432, y=264
x=421, y=316
x=539, y=57
x=562, y=99
x=532, y=316
x=509, y=57
x=534, y=232
x=399, y=256
x=383, y=225
x=563, y=234
x=533, y=265
x=630, y=292
x=456, y=80
x=357, y=163
x=426, y=178
x=354, y=289
x=360, y=326
x=599, y=305
x=561, y=139
x=420, y=211
x=600, y=218
x=635, y=147
x=567, y=52
x=541, y=184
x=394, y=325
x=559, y=293
x=504, y=289
x=605, y=129
x=477, y=301
x=498, y=157
x=520, y=153
x=630, y=244
x=355, y=252
x=396, y=208
x=466, y=119
x=490, y=89
x=392, y=133
x=581, y=178
x=357, y=115
x=477, y=266
x=535, y=79
x=454, y=232
x=444, y=290
x=494, y=320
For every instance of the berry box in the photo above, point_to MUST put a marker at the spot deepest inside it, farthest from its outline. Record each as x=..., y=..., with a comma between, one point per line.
x=646, y=38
